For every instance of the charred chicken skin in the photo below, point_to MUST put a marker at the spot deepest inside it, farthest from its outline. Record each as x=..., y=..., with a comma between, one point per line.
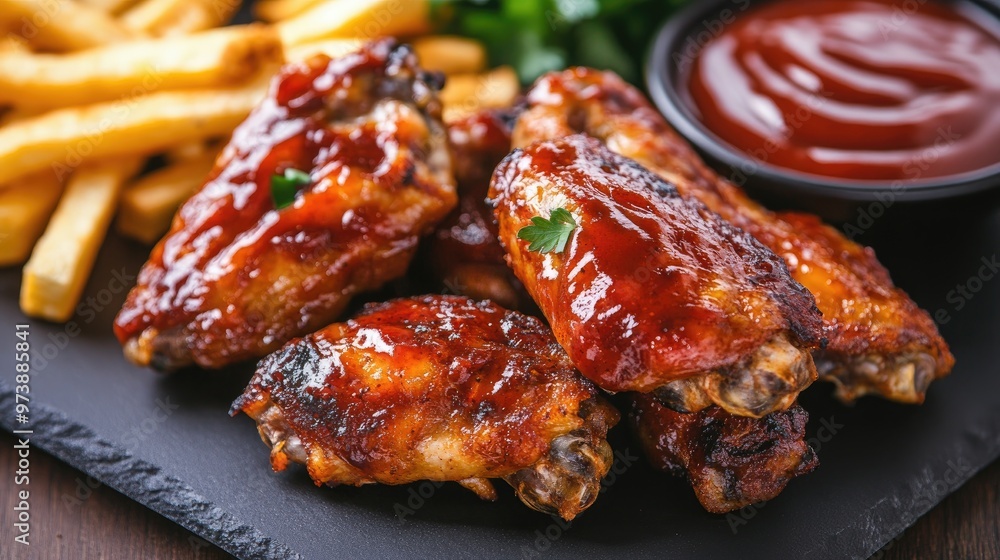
x=731, y=461
x=436, y=388
x=878, y=340
x=237, y=276
x=652, y=289
x=463, y=254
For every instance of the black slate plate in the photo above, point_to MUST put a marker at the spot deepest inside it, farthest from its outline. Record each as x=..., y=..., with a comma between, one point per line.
x=168, y=443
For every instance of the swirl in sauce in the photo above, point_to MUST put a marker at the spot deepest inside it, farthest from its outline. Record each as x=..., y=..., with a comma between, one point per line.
x=868, y=90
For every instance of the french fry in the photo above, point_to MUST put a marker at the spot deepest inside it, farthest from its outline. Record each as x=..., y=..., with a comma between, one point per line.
x=465, y=94
x=148, y=205
x=60, y=264
x=193, y=150
x=15, y=114
x=216, y=58
x=277, y=10
x=177, y=17
x=13, y=44
x=200, y=15
x=145, y=125
x=147, y=15
x=451, y=55
x=331, y=47
x=356, y=18
x=62, y=26
x=195, y=17
x=24, y=213
x=109, y=6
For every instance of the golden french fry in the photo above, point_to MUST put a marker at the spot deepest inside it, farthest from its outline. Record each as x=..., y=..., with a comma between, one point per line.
x=147, y=15
x=15, y=114
x=222, y=10
x=144, y=125
x=57, y=271
x=468, y=93
x=199, y=16
x=13, y=44
x=109, y=6
x=193, y=150
x=195, y=17
x=364, y=19
x=148, y=205
x=216, y=58
x=150, y=15
x=62, y=26
x=277, y=10
x=331, y=47
x=24, y=213
x=451, y=55
x=178, y=17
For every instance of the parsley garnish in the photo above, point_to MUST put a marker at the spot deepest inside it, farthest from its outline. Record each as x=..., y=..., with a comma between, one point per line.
x=284, y=187
x=549, y=235
x=536, y=36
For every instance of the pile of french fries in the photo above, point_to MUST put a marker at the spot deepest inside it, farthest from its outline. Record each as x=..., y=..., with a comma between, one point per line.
x=91, y=91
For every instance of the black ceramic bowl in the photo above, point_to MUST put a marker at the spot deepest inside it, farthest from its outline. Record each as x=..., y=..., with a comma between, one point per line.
x=667, y=66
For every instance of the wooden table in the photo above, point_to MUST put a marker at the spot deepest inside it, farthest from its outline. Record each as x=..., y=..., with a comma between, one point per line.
x=73, y=521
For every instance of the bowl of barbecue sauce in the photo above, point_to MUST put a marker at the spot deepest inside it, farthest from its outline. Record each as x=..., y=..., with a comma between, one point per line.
x=837, y=100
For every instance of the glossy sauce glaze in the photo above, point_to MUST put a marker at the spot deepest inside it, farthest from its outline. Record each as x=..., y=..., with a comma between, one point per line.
x=236, y=277
x=878, y=340
x=652, y=287
x=463, y=254
x=855, y=89
x=433, y=388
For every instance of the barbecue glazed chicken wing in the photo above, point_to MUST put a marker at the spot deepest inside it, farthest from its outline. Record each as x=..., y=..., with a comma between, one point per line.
x=653, y=292
x=731, y=461
x=878, y=340
x=463, y=254
x=436, y=388
x=237, y=276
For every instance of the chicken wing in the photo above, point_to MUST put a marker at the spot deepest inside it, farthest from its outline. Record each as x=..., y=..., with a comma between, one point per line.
x=731, y=461
x=653, y=289
x=237, y=275
x=436, y=388
x=878, y=340
x=463, y=254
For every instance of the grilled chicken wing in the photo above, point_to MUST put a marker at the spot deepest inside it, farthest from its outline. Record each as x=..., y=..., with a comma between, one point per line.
x=731, y=461
x=236, y=276
x=463, y=254
x=881, y=343
x=878, y=340
x=652, y=289
x=436, y=388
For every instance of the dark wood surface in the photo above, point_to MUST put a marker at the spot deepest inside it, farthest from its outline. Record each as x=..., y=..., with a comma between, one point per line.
x=74, y=517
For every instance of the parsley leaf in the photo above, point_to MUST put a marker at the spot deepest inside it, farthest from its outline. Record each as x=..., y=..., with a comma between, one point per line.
x=285, y=187
x=549, y=235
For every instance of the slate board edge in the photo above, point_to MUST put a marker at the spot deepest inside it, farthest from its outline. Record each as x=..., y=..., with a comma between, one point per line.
x=78, y=446
x=909, y=511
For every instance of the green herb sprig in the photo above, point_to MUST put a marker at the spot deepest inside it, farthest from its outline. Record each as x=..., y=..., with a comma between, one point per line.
x=537, y=36
x=284, y=187
x=548, y=235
